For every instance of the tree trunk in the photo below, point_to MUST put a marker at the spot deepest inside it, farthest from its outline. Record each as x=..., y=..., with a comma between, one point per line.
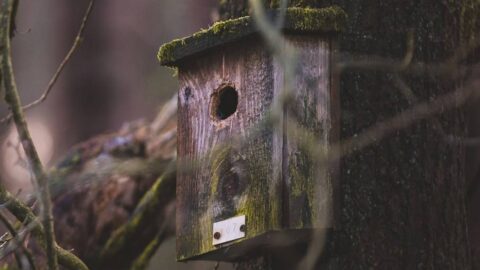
x=403, y=198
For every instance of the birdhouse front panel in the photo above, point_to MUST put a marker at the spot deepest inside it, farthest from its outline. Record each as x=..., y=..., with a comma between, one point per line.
x=249, y=177
x=232, y=160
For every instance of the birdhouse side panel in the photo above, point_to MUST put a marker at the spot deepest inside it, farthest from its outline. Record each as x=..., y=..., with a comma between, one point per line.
x=225, y=148
x=311, y=126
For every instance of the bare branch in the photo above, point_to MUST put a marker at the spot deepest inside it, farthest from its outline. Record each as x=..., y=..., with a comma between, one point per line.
x=13, y=100
x=13, y=233
x=18, y=242
x=24, y=214
x=58, y=72
x=406, y=118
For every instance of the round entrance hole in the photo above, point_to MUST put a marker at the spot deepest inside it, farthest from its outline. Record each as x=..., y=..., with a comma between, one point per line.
x=224, y=103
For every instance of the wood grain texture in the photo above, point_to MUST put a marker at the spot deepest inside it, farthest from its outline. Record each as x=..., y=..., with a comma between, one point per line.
x=230, y=164
x=243, y=165
x=312, y=113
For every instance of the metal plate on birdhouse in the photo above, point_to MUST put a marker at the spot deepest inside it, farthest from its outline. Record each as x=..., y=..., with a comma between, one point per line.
x=228, y=230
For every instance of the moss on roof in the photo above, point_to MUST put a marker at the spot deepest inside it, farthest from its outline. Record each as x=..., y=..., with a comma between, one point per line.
x=298, y=20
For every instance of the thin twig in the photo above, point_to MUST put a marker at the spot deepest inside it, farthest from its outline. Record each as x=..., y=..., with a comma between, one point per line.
x=410, y=96
x=285, y=53
x=445, y=71
x=451, y=139
x=18, y=242
x=282, y=14
x=406, y=118
x=25, y=215
x=58, y=72
x=14, y=234
x=407, y=59
x=13, y=99
x=451, y=68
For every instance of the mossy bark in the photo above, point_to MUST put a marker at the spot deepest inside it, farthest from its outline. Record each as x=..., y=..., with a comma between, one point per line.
x=403, y=197
x=129, y=241
x=236, y=8
x=297, y=20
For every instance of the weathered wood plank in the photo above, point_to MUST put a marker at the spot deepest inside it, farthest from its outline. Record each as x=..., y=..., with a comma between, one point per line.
x=235, y=175
x=310, y=119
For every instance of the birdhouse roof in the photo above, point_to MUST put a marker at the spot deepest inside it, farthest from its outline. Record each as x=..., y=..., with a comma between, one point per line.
x=297, y=20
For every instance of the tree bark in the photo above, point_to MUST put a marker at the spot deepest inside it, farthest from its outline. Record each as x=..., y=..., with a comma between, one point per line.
x=403, y=198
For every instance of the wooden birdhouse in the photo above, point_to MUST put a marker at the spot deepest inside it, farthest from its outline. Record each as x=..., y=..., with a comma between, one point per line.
x=246, y=178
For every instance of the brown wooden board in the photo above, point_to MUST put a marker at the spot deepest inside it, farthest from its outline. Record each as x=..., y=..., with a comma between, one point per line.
x=244, y=165
x=311, y=120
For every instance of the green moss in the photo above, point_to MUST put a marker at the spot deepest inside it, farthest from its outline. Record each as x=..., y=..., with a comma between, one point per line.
x=8, y=267
x=468, y=16
x=125, y=239
x=178, y=48
x=258, y=202
x=166, y=54
x=220, y=158
x=143, y=260
x=298, y=20
x=331, y=19
x=469, y=20
x=263, y=214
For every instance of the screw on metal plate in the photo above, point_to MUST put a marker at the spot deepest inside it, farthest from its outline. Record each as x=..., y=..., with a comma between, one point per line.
x=228, y=230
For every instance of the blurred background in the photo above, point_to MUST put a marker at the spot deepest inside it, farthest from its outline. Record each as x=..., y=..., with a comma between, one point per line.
x=113, y=78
